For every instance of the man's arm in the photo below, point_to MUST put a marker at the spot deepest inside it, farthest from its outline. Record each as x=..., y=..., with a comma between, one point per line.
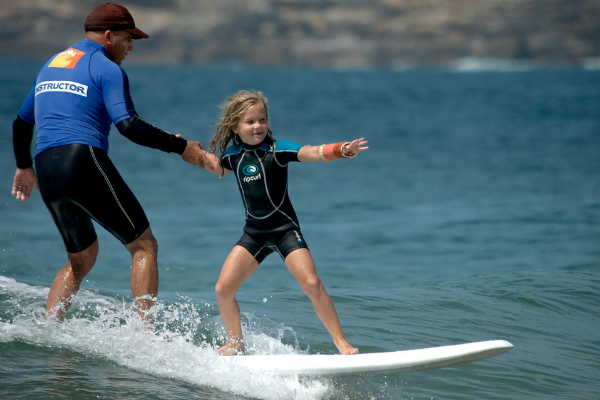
x=25, y=178
x=141, y=132
x=115, y=91
x=22, y=135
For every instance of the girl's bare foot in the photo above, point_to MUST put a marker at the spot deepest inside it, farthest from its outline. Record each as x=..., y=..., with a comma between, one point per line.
x=232, y=349
x=346, y=348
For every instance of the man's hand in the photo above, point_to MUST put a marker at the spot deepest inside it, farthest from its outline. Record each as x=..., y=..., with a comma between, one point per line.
x=194, y=154
x=24, y=182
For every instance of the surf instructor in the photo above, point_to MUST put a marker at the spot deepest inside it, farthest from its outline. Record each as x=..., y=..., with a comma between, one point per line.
x=77, y=95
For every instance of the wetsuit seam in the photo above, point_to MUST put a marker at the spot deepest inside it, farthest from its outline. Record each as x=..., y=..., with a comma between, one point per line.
x=279, y=251
x=258, y=252
x=276, y=207
x=240, y=183
x=110, y=186
x=277, y=161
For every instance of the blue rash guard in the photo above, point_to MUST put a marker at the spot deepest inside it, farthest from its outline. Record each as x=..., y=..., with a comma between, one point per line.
x=77, y=95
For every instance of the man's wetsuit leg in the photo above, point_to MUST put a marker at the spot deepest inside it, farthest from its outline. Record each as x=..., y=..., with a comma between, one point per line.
x=79, y=183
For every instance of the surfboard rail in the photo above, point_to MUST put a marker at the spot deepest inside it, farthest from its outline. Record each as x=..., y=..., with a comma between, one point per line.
x=399, y=361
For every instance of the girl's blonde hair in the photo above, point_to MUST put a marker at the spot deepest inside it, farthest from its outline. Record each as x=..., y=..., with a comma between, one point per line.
x=232, y=112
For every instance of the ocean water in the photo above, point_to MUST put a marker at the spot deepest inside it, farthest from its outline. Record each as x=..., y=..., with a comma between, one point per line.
x=474, y=215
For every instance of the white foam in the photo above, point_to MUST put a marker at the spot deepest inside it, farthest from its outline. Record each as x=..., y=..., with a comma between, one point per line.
x=109, y=328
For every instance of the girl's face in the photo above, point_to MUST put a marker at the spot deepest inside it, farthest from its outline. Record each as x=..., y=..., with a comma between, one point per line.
x=253, y=126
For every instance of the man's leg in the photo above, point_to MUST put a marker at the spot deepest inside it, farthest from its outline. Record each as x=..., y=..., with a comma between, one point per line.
x=144, y=274
x=67, y=281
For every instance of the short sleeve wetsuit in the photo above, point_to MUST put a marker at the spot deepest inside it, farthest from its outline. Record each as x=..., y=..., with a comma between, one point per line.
x=78, y=93
x=261, y=173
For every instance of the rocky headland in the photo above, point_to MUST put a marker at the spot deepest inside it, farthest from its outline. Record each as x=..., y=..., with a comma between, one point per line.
x=323, y=33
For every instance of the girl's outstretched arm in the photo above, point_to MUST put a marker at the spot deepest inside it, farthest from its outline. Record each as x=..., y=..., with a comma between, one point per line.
x=212, y=164
x=333, y=151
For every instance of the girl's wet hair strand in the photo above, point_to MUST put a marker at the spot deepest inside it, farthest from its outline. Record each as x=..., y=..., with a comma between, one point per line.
x=232, y=112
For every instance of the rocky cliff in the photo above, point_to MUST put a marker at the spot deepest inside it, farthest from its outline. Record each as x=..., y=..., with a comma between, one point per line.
x=324, y=33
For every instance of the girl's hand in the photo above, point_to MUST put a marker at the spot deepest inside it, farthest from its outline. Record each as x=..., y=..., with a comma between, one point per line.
x=212, y=164
x=351, y=149
x=209, y=162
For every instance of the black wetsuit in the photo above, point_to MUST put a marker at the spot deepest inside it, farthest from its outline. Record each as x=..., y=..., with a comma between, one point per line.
x=261, y=172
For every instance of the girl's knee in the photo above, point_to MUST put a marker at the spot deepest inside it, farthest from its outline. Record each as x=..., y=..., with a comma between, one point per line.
x=313, y=285
x=223, y=291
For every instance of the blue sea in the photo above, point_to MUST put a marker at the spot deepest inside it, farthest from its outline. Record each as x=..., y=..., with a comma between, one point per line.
x=474, y=215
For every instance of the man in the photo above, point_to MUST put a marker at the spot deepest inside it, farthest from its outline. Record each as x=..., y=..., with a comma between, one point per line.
x=77, y=95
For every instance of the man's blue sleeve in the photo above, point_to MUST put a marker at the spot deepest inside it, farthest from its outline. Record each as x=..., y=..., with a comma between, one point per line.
x=115, y=91
x=27, y=110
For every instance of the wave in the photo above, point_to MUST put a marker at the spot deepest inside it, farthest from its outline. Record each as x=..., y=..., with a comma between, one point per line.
x=183, y=346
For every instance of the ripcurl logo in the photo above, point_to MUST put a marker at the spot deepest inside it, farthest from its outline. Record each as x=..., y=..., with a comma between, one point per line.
x=61, y=86
x=251, y=172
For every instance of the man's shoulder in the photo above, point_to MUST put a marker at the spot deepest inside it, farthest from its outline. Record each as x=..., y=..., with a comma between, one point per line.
x=98, y=58
x=85, y=55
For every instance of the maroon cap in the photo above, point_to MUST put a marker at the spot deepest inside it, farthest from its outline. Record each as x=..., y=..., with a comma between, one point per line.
x=112, y=17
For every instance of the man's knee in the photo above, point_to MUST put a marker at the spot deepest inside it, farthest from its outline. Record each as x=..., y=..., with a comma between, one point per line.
x=150, y=244
x=82, y=262
x=145, y=242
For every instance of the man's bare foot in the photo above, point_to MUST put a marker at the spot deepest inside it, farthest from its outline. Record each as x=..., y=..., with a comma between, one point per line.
x=232, y=349
x=346, y=348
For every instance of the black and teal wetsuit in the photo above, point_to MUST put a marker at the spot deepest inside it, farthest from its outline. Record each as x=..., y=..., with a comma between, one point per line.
x=261, y=172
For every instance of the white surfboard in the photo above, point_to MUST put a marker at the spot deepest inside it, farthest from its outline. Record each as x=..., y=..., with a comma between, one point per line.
x=399, y=361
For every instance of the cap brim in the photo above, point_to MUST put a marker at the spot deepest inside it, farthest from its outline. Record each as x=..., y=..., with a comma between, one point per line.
x=137, y=33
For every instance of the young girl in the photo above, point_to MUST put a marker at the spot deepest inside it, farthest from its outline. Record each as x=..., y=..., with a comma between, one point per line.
x=260, y=164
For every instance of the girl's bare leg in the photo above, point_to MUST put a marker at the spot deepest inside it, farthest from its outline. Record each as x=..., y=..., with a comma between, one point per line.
x=301, y=265
x=238, y=267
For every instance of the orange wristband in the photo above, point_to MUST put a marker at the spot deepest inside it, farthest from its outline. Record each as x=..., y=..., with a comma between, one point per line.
x=331, y=151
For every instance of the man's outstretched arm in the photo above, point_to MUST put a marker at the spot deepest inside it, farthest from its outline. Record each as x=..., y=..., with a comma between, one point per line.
x=141, y=132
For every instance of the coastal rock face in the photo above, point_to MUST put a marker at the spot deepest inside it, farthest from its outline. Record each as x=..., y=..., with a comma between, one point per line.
x=322, y=33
